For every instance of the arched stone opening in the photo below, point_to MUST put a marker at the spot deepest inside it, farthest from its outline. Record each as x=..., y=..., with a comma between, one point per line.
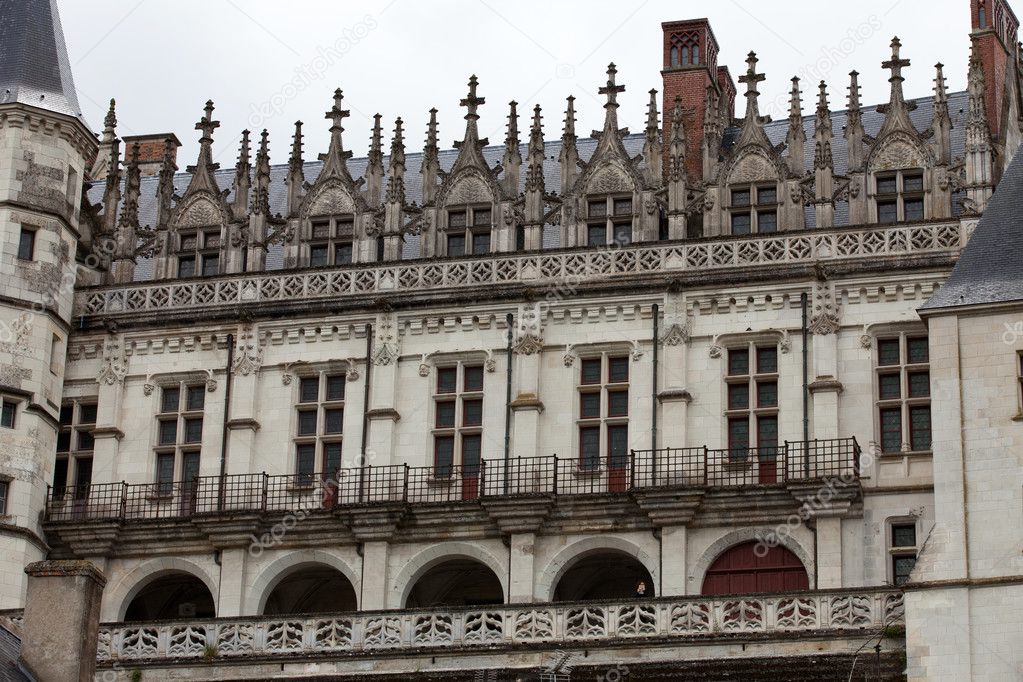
x=607, y=574
x=175, y=594
x=751, y=567
x=456, y=582
x=311, y=589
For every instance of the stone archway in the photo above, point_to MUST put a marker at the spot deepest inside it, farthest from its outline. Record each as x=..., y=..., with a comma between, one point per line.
x=135, y=580
x=284, y=566
x=169, y=595
x=751, y=567
x=549, y=578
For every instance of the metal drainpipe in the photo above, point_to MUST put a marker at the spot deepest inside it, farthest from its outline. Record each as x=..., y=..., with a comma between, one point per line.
x=653, y=402
x=228, y=380
x=806, y=386
x=365, y=410
x=507, y=409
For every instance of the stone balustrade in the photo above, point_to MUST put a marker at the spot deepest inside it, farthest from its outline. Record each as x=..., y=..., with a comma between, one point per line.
x=555, y=268
x=493, y=627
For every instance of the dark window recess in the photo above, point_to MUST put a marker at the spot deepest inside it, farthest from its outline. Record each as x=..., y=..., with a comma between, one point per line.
x=617, y=370
x=767, y=360
x=343, y=253
x=334, y=420
x=920, y=427
x=443, y=455
x=210, y=265
x=27, y=244
x=473, y=378
x=887, y=185
x=10, y=409
x=741, y=223
x=623, y=234
x=917, y=351
x=590, y=371
x=307, y=423
x=887, y=211
x=767, y=221
x=741, y=197
x=335, y=388
x=618, y=404
x=596, y=235
x=5, y=487
x=480, y=243
x=888, y=352
x=309, y=389
x=904, y=535
x=738, y=396
x=738, y=362
x=902, y=567
x=589, y=406
x=186, y=266
x=891, y=429
x=447, y=379
x=446, y=415
x=914, y=209
x=456, y=244
x=318, y=255
x=589, y=448
x=305, y=460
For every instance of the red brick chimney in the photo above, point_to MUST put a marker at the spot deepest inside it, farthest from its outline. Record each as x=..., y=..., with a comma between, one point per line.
x=995, y=31
x=151, y=151
x=690, y=67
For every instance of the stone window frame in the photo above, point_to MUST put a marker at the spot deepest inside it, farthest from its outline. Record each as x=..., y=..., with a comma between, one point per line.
x=1019, y=384
x=606, y=420
x=458, y=430
x=335, y=236
x=906, y=402
x=900, y=195
x=6, y=483
x=611, y=218
x=75, y=429
x=181, y=448
x=470, y=231
x=684, y=49
x=755, y=207
x=895, y=552
x=320, y=439
x=13, y=402
x=753, y=412
x=200, y=251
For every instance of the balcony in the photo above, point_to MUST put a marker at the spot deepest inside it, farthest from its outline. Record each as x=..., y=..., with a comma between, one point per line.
x=665, y=630
x=698, y=469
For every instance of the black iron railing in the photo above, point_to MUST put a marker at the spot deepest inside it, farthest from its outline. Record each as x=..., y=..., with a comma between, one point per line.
x=553, y=475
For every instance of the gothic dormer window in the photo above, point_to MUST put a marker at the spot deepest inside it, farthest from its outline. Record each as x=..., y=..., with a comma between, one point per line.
x=199, y=252
x=609, y=221
x=754, y=209
x=331, y=240
x=900, y=196
x=468, y=230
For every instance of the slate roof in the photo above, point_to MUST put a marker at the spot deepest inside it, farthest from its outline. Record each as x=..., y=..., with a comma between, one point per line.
x=990, y=269
x=776, y=133
x=34, y=66
x=11, y=669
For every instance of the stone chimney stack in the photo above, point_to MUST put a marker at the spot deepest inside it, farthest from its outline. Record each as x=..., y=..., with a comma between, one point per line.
x=61, y=626
x=690, y=68
x=152, y=149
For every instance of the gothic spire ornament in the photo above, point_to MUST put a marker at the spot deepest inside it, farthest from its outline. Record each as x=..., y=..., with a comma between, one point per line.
x=375, y=162
x=242, y=181
x=535, y=154
x=897, y=110
x=470, y=149
x=203, y=178
x=569, y=157
x=854, y=133
x=512, y=160
x=335, y=164
x=941, y=123
x=396, y=166
x=677, y=143
x=296, y=171
x=796, y=139
x=430, y=168
x=752, y=126
x=261, y=203
x=652, y=148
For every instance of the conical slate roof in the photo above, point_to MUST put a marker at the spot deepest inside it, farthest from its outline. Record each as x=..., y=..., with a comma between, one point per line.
x=34, y=67
x=990, y=269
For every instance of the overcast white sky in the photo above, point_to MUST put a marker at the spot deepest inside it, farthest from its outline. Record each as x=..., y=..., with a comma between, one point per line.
x=267, y=63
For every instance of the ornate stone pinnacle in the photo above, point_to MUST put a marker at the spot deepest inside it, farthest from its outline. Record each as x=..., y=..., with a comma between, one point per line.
x=611, y=89
x=110, y=122
x=337, y=115
x=752, y=77
x=207, y=125
x=940, y=91
x=822, y=98
x=795, y=100
x=472, y=102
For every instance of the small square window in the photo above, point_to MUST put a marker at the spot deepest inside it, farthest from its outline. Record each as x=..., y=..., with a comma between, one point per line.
x=85, y=440
x=597, y=209
x=186, y=266
x=767, y=360
x=767, y=221
x=889, y=386
x=596, y=235
x=170, y=399
x=447, y=380
x=902, y=567
x=169, y=432
x=767, y=196
x=904, y=535
x=27, y=244
x=446, y=414
x=738, y=362
x=887, y=212
x=309, y=389
x=334, y=420
x=67, y=413
x=589, y=406
x=456, y=244
x=307, y=423
x=211, y=240
x=919, y=384
x=318, y=255
x=189, y=242
x=887, y=185
x=481, y=217
x=457, y=219
x=9, y=411
x=336, y=388
x=741, y=223
x=913, y=183
x=305, y=463
x=888, y=352
x=767, y=394
x=913, y=209
x=623, y=234
x=590, y=373
x=618, y=403
x=480, y=243
x=343, y=253
x=589, y=448
x=193, y=430
x=473, y=379
x=617, y=370
x=321, y=230
x=345, y=228
x=738, y=396
x=195, y=398
x=917, y=350
x=623, y=206
x=740, y=197
x=210, y=265
x=472, y=413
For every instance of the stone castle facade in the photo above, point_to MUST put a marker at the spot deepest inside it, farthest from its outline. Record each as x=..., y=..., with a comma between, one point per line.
x=441, y=413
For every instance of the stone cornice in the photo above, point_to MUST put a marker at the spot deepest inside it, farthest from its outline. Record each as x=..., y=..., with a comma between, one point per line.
x=68, y=128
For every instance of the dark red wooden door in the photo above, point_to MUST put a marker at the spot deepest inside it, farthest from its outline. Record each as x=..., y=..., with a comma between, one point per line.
x=740, y=570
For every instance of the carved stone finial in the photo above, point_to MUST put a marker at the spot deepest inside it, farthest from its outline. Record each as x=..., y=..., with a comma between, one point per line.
x=677, y=143
x=536, y=154
x=110, y=123
x=611, y=90
x=296, y=171
x=204, y=169
x=752, y=127
x=261, y=203
x=396, y=166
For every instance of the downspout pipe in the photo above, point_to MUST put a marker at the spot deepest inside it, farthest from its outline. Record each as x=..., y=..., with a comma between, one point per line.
x=507, y=406
x=806, y=384
x=653, y=397
x=228, y=381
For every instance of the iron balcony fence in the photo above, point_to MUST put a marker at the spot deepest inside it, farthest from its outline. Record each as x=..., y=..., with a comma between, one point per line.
x=552, y=475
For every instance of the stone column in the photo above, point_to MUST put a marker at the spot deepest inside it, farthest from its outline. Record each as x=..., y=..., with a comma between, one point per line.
x=242, y=424
x=232, y=583
x=521, y=578
x=673, y=395
x=674, y=561
x=526, y=406
x=825, y=386
x=61, y=627
x=108, y=433
x=383, y=377
x=829, y=552
x=375, y=577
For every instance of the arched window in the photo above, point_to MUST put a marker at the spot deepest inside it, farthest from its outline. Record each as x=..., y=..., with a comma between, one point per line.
x=685, y=56
x=673, y=59
x=696, y=53
x=982, y=18
x=754, y=568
